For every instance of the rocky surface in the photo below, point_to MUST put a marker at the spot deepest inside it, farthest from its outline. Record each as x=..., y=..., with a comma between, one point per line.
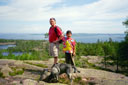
x=28, y=72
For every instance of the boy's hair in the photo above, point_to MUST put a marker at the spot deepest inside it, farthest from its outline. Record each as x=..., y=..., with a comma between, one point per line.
x=69, y=32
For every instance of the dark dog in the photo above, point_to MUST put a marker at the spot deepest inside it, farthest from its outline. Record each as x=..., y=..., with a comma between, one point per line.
x=56, y=70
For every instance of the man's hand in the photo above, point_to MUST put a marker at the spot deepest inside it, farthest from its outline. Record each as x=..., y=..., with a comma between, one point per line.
x=61, y=36
x=55, y=42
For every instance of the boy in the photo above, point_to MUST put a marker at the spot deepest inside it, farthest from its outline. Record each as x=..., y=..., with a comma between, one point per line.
x=70, y=49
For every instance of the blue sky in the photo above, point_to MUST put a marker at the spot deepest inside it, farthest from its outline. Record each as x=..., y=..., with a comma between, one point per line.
x=80, y=16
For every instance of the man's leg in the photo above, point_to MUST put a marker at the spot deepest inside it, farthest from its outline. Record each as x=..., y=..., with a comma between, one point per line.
x=53, y=52
x=55, y=60
x=56, y=52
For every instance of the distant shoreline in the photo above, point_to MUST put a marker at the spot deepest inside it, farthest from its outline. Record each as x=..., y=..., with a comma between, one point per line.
x=79, y=37
x=8, y=43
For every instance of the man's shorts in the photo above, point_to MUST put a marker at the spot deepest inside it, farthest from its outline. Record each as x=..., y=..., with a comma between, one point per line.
x=54, y=49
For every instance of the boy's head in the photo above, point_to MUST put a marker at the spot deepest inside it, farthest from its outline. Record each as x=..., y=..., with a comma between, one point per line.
x=69, y=33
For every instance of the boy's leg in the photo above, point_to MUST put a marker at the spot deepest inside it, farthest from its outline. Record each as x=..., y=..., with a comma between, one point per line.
x=67, y=58
x=72, y=59
x=73, y=64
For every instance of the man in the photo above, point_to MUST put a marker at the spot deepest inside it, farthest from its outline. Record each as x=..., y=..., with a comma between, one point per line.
x=54, y=38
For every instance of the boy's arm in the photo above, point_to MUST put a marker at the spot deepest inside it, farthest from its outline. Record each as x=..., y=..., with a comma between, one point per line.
x=74, y=48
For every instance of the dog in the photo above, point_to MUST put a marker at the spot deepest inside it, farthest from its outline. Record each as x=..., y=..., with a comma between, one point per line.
x=58, y=69
x=61, y=68
x=52, y=75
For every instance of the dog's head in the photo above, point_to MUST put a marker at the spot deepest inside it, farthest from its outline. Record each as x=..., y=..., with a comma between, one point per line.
x=45, y=74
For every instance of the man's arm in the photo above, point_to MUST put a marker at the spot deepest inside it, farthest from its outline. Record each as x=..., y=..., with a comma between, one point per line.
x=60, y=34
x=60, y=38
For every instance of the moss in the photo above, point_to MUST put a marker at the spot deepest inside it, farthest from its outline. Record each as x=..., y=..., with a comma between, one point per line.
x=61, y=61
x=64, y=81
x=77, y=79
x=39, y=65
x=13, y=68
x=20, y=72
x=83, y=63
x=1, y=75
x=12, y=73
x=16, y=72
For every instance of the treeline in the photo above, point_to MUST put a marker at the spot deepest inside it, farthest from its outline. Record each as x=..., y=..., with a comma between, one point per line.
x=24, y=45
x=6, y=40
x=109, y=50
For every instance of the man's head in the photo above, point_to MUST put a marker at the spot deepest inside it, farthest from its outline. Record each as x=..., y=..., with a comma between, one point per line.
x=68, y=33
x=52, y=21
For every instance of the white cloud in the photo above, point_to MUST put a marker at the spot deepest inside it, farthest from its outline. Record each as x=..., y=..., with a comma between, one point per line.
x=25, y=28
x=27, y=10
x=98, y=26
x=103, y=9
x=105, y=15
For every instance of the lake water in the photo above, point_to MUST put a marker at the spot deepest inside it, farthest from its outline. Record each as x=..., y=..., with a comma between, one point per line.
x=6, y=46
x=14, y=53
x=7, y=53
x=79, y=37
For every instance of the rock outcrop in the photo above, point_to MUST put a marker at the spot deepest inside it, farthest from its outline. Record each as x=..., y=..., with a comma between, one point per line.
x=28, y=72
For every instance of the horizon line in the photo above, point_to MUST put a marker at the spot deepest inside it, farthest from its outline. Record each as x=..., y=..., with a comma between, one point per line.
x=73, y=33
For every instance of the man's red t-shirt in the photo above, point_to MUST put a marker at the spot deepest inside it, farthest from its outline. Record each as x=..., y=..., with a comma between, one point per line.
x=52, y=35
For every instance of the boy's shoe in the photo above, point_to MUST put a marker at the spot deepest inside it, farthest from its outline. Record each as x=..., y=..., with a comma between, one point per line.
x=76, y=70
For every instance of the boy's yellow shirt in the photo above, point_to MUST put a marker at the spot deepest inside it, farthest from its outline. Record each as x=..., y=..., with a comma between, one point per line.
x=68, y=46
